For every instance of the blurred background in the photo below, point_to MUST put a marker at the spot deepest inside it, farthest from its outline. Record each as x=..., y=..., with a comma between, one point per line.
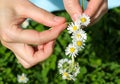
x=99, y=61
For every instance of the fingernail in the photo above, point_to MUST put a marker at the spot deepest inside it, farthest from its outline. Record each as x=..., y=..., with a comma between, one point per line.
x=58, y=19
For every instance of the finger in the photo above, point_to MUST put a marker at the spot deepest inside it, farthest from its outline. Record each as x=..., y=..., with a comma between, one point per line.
x=23, y=62
x=17, y=35
x=41, y=15
x=102, y=10
x=35, y=56
x=93, y=7
x=27, y=55
x=20, y=60
x=73, y=8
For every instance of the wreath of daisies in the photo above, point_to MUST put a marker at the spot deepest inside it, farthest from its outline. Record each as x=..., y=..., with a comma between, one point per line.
x=68, y=68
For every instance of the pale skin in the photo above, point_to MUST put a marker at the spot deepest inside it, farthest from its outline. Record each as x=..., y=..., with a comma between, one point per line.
x=12, y=14
x=95, y=9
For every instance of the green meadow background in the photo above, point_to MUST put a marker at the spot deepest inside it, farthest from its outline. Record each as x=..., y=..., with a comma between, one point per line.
x=99, y=61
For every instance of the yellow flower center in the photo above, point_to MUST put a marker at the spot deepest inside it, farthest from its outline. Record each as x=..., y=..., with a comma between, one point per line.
x=74, y=28
x=78, y=35
x=72, y=49
x=79, y=43
x=65, y=74
x=22, y=78
x=83, y=20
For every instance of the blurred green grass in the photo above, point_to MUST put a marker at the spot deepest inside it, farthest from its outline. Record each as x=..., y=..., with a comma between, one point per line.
x=99, y=61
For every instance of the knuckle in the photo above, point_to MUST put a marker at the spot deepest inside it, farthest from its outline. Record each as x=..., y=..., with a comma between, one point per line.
x=31, y=63
x=26, y=66
x=5, y=37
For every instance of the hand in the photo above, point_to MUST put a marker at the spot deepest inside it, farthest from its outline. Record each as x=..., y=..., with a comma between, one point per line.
x=95, y=9
x=19, y=40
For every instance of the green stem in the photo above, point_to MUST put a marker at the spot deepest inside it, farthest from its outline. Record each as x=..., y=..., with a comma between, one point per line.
x=68, y=22
x=73, y=60
x=72, y=64
x=83, y=5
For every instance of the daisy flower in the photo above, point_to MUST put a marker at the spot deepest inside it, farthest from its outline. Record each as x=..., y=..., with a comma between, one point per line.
x=73, y=27
x=68, y=76
x=22, y=78
x=76, y=69
x=71, y=50
x=84, y=20
x=78, y=43
x=68, y=71
x=80, y=34
x=25, y=24
x=63, y=64
x=62, y=61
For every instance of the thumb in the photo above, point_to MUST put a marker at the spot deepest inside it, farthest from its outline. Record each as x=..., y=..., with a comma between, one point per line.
x=73, y=8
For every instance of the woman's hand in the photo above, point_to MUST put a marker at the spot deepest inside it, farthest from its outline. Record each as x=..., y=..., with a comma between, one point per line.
x=95, y=9
x=12, y=14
